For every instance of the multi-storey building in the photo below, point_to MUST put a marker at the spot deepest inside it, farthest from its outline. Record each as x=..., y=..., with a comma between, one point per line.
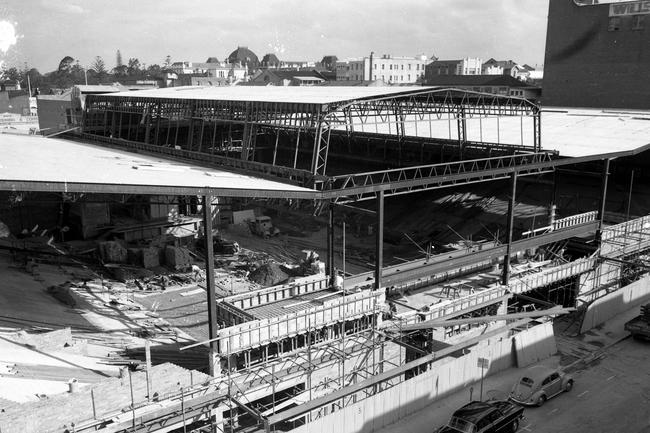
x=597, y=54
x=220, y=70
x=466, y=66
x=387, y=68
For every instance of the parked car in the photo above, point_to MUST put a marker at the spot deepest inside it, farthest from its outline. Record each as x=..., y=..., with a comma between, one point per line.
x=539, y=383
x=485, y=417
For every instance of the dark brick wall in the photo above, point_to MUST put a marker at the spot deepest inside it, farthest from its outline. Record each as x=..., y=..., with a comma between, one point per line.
x=588, y=66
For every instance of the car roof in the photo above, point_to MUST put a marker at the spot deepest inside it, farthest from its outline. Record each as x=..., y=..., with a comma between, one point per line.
x=538, y=372
x=474, y=411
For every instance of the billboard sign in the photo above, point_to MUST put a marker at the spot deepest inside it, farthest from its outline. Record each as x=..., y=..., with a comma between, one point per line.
x=630, y=8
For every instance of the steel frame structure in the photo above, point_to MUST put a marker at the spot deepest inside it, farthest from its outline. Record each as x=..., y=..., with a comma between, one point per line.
x=195, y=124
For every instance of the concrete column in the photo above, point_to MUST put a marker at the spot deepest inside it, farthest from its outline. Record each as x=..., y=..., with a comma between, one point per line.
x=379, y=237
x=511, y=219
x=209, y=282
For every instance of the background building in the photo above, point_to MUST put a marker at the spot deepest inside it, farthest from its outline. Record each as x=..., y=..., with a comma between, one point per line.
x=494, y=84
x=387, y=68
x=466, y=66
x=597, y=55
x=276, y=77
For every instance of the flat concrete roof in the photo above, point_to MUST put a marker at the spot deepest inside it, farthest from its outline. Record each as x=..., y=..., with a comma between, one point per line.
x=289, y=94
x=35, y=163
x=573, y=132
x=583, y=132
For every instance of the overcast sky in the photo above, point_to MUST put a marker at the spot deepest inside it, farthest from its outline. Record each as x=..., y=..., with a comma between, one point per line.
x=193, y=30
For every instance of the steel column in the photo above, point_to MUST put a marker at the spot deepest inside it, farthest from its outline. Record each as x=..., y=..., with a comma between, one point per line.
x=209, y=282
x=462, y=130
x=379, y=246
x=330, y=245
x=511, y=219
x=603, y=199
x=537, y=131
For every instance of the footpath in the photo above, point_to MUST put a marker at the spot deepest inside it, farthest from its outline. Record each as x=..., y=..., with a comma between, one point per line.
x=499, y=384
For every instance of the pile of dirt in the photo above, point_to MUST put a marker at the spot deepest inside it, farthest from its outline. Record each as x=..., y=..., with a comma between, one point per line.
x=269, y=274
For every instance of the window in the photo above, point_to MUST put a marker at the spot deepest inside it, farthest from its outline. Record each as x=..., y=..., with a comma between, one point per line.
x=375, y=65
x=402, y=67
x=550, y=379
x=417, y=67
x=382, y=67
x=408, y=77
x=375, y=77
x=409, y=66
x=482, y=423
x=637, y=22
x=614, y=24
x=390, y=67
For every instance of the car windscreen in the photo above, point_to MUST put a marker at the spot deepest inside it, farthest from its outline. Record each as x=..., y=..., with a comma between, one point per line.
x=526, y=381
x=461, y=425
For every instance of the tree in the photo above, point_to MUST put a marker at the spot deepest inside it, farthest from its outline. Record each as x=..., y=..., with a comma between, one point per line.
x=99, y=66
x=78, y=73
x=154, y=71
x=65, y=65
x=12, y=74
x=35, y=79
x=119, y=69
x=118, y=60
x=133, y=67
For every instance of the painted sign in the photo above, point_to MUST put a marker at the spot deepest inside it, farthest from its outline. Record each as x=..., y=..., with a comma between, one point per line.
x=631, y=8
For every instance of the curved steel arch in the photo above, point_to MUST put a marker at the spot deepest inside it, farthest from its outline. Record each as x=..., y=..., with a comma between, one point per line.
x=460, y=103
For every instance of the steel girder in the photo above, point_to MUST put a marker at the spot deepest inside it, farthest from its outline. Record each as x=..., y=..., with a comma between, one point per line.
x=364, y=186
x=313, y=117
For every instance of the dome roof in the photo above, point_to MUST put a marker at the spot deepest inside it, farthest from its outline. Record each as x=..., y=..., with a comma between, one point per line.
x=244, y=56
x=212, y=60
x=270, y=60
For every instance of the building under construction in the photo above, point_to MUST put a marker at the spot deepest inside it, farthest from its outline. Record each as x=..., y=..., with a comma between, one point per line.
x=319, y=354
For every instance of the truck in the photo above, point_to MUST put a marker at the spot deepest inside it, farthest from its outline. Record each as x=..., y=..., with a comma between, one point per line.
x=263, y=227
x=639, y=327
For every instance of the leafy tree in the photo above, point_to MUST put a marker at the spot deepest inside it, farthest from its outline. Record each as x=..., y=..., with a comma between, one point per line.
x=120, y=71
x=78, y=73
x=154, y=70
x=65, y=65
x=35, y=79
x=12, y=74
x=133, y=67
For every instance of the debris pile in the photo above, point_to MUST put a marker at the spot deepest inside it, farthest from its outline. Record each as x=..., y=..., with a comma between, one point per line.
x=269, y=274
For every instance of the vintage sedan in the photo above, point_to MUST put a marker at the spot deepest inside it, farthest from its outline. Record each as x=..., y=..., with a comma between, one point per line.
x=539, y=383
x=485, y=417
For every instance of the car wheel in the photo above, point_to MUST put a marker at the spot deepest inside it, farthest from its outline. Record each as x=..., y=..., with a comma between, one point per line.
x=569, y=386
x=541, y=400
x=515, y=426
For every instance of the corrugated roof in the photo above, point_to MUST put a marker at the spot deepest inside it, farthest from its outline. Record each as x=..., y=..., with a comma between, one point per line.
x=56, y=163
x=300, y=95
x=475, y=80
